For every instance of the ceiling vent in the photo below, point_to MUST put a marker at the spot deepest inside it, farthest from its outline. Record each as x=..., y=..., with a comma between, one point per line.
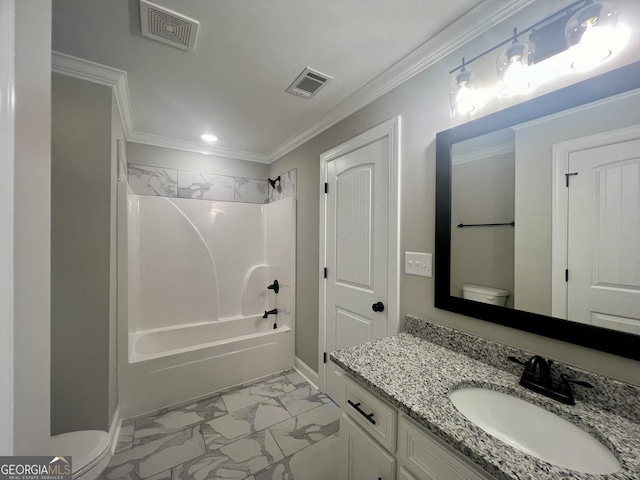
x=167, y=26
x=308, y=83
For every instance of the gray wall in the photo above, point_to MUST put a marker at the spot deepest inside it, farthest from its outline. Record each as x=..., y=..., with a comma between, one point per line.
x=534, y=190
x=141, y=154
x=423, y=103
x=483, y=192
x=82, y=261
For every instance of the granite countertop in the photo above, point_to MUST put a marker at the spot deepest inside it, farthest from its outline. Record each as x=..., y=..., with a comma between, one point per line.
x=417, y=375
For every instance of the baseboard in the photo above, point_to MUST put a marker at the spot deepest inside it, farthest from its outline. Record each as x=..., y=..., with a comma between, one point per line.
x=114, y=431
x=307, y=372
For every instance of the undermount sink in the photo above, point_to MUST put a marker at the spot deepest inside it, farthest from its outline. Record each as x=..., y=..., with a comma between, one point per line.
x=534, y=430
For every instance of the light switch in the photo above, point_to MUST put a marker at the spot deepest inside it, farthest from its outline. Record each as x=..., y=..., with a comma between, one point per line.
x=418, y=264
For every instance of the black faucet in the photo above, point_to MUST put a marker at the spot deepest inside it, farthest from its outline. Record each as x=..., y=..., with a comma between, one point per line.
x=537, y=374
x=537, y=377
x=270, y=312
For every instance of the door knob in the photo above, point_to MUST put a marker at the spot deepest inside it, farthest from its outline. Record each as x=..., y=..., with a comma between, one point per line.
x=378, y=307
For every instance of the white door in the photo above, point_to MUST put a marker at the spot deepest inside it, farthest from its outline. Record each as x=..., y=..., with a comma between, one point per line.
x=360, y=290
x=603, y=249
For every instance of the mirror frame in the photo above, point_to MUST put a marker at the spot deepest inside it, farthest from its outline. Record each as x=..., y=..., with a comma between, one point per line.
x=599, y=87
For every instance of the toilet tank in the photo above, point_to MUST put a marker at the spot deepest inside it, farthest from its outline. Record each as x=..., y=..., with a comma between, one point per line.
x=484, y=294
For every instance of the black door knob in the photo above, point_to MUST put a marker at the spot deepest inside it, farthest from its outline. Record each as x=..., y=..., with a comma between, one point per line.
x=378, y=307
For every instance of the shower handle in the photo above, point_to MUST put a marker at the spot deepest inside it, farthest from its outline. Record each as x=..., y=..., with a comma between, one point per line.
x=275, y=286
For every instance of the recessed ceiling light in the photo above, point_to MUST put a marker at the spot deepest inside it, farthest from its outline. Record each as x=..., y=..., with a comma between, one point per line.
x=207, y=137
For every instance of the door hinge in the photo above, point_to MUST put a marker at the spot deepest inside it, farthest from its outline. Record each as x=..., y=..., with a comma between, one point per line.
x=566, y=275
x=325, y=272
x=567, y=175
x=325, y=357
x=326, y=187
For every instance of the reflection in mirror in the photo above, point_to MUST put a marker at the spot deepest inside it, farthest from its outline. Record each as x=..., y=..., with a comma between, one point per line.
x=482, y=218
x=571, y=184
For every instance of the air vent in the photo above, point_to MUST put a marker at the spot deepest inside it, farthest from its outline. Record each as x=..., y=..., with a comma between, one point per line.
x=308, y=83
x=167, y=26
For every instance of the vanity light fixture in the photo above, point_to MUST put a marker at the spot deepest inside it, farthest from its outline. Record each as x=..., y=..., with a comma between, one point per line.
x=512, y=65
x=591, y=35
x=207, y=137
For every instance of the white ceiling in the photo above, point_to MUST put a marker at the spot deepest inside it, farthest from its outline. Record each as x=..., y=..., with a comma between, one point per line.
x=247, y=53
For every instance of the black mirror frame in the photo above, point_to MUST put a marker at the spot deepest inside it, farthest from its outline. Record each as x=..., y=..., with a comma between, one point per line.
x=602, y=86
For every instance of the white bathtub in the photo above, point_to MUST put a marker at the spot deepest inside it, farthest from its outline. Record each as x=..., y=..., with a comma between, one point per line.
x=161, y=342
x=172, y=365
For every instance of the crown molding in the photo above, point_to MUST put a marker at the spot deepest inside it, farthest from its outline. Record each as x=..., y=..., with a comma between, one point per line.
x=101, y=74
x=472, y=24
x=488, y=152
x=117, y=79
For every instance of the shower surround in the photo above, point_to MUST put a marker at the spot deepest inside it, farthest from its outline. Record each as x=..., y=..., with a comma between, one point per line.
x=193, y=278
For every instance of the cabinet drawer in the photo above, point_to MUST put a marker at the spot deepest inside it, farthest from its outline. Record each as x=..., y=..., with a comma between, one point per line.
x=374, y=415
x=363, y=458
x=429, y=458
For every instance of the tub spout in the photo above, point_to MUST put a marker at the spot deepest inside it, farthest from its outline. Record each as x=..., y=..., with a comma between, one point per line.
x=270, y=312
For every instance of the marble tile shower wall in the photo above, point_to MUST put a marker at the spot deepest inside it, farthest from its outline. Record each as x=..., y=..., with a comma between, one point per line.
x=169, y=182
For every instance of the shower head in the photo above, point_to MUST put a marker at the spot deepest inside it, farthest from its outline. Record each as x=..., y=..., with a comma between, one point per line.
x=275, y=181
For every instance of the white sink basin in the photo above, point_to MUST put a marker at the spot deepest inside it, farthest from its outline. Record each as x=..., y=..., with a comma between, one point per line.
x=534, y=430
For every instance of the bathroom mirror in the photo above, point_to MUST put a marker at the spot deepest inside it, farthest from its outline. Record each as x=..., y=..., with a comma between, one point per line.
x=516, y=246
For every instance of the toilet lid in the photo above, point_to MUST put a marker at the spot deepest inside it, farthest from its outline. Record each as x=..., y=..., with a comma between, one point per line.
x=84, y=447
x=483, y=290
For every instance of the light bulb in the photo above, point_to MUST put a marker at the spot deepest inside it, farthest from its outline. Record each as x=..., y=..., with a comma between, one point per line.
x=515, y=79
x=465, y=100
x=513, y=67
x=593, y=35
x=207, y=137
x=462, y=95
x=593, y=47
x=597, y=45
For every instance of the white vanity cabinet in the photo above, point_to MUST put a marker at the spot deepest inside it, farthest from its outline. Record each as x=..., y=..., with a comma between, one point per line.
x=362, y=457
x=380, y=443
x=429, y=458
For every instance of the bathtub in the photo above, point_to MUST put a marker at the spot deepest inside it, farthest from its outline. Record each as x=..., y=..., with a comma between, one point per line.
x=172, y=365
x=183, y=338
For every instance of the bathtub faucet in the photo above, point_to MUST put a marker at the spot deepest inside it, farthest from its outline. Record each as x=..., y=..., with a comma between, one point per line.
x=275, y=286
x=270, y=312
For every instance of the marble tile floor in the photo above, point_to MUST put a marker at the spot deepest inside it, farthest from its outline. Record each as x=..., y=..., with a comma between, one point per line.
x=279, y=428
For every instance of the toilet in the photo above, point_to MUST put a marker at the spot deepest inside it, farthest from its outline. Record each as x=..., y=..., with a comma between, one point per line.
x=90, y=452
x=484, y=294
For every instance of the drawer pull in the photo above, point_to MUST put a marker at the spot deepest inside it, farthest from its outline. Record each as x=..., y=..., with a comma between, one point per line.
x=361, y=412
